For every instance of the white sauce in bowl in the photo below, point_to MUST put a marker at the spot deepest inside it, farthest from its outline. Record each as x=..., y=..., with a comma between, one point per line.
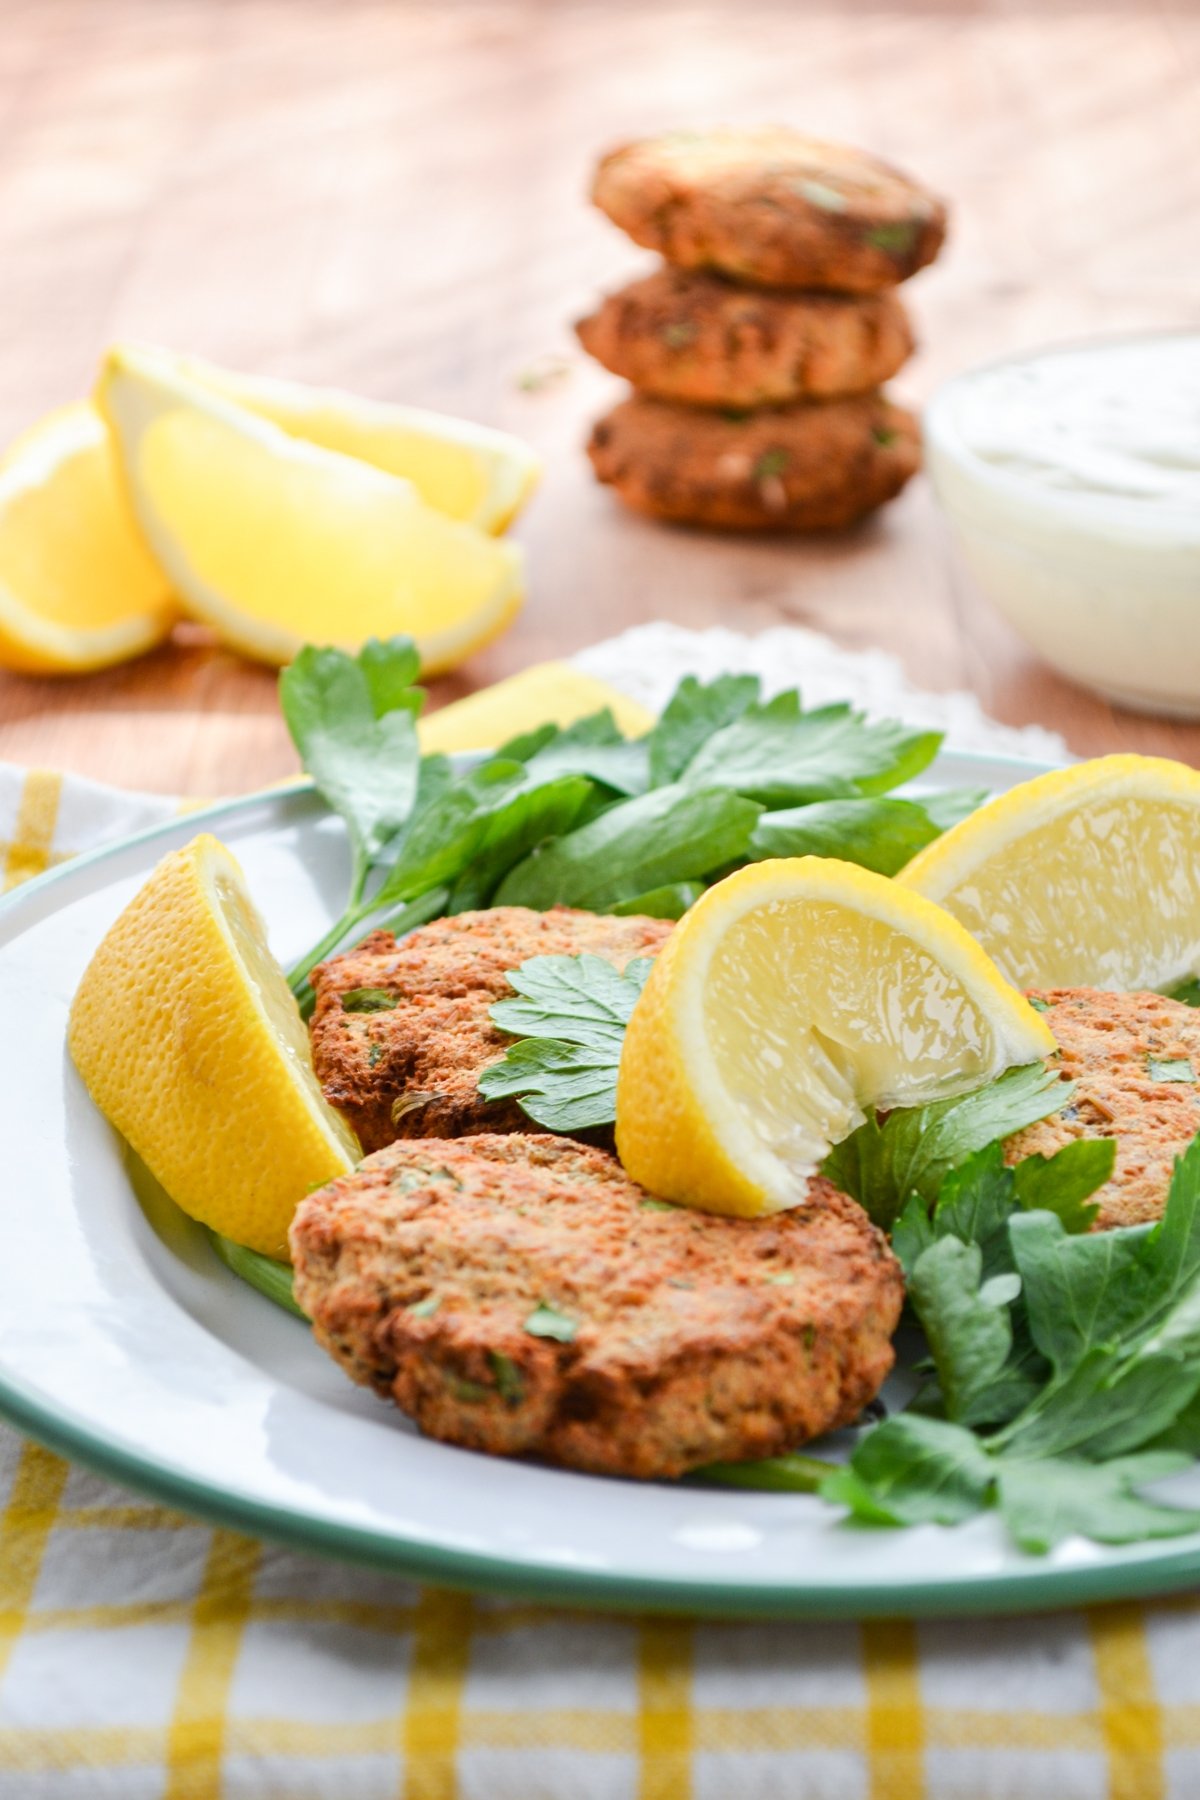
x=1116, y=421
x=1072, y=481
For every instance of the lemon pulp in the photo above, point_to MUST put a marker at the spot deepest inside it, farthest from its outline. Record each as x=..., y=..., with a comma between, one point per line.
x=1086, y=877
x=78, y=588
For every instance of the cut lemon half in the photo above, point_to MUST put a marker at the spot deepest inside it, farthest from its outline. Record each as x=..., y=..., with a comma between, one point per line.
x=277, y=543
x=466, y=471
x=78, y=589
x=550, y=693
x=1085, y=877
x=190, y=1043
x=792, y=998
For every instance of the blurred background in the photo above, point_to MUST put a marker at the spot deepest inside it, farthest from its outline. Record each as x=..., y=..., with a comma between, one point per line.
x=392, y=197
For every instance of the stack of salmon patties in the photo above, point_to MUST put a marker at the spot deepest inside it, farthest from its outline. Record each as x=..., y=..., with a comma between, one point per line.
x=758, y=349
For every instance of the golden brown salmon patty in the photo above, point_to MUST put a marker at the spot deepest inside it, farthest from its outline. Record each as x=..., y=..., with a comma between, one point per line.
x=816, y=467
x=401, y=1030
x=1135, y=1059
x=519, y=1294
x=700, y=339
x=773, y=207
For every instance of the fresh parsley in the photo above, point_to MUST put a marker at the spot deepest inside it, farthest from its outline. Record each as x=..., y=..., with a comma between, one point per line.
x=570, y=1016
x=1066, y=1363
x=581, y=816
x=911, y=1151
x=881, y=834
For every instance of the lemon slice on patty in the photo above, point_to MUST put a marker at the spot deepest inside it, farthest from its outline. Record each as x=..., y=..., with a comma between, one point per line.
x=467, y=471
x=276, y=542
x=78, y=589
x=189, y=1041
x=793, y=997
x=1085, y=877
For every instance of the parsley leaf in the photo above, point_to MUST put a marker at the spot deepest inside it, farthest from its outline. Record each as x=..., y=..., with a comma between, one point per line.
x=479, y=815
x=669, y=902
x=1044, y=1502
x=571, y=1018
x=693, y=713
x=592, y=746
x=913, y=1148
x=778, y=753
x=562, y=1087
x=353, y=720
x=670, y=834
x=881, y=834
x=576, y=999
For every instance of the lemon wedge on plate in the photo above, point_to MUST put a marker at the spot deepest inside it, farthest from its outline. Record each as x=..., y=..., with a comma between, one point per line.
x=549, y=693
x=1085, y=877
x=78, y=589
x=794, y=996
x=276, y=542
x=189, y=1041
x=466, y=471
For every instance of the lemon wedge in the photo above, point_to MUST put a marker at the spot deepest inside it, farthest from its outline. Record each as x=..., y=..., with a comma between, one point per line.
x=1086, y=877
x=276, y=542
x=77, y=588
x=190, y=1043
x=793, y=996
x=466, y=471
x=549, y=693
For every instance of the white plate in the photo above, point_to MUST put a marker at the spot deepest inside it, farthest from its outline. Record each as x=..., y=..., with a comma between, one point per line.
x=125, y=1344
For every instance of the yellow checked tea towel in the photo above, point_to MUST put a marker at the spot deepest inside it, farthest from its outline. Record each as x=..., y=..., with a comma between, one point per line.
x=146, y=1656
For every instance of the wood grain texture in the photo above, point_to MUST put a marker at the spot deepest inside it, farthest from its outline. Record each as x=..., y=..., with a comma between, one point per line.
x=390, y=196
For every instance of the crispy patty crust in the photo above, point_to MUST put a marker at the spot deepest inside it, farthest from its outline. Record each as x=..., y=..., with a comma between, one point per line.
x=410, y=1067
x=1136, y=1061
x=814, y=467
x=701, y=340
x=773, y=207
x=519, y=1294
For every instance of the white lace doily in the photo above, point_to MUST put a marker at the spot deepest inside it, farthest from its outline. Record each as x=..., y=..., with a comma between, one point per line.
x=647, y=661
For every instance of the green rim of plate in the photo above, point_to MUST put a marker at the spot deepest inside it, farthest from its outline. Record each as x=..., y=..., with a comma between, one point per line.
x=1021, y=1590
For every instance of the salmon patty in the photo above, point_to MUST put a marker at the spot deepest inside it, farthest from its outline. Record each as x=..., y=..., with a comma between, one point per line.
x=1135, y=1060
x=771, y=207
x=520, y=1295
x=401, y=1030
x=815, y=467
x=698, y=339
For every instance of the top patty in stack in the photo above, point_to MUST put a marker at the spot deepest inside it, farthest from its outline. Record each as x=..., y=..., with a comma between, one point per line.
x=772, y=207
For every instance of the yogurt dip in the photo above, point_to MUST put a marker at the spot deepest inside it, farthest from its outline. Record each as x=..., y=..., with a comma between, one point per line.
x=1071, y=480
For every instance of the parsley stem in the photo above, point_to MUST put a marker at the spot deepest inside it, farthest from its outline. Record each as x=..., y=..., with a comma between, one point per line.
x=793, y=1474
x=406, y=918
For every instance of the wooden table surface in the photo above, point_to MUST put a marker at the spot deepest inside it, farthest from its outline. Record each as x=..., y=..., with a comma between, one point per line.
x=391, y=196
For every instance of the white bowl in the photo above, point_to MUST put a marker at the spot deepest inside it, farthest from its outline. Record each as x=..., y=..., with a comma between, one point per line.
x=1071, y=481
